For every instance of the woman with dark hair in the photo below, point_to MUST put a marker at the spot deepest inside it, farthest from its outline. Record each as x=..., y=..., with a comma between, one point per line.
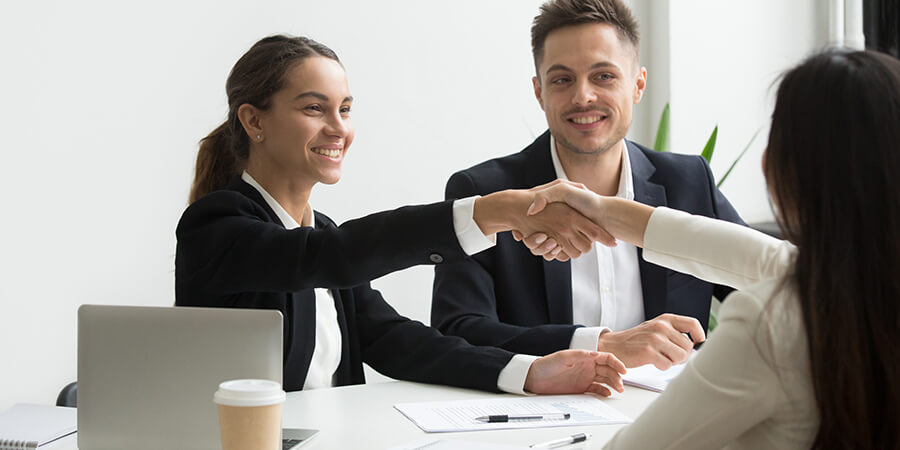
x=805, y=354
x=250, y=239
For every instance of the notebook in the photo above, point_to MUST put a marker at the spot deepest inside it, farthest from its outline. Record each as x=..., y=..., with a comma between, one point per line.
x=29, y=426
x=146, y=375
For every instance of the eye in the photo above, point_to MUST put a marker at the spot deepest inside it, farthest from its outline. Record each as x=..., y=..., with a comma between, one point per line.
x=316, y=108
x=345, y=110
x=560, y=80
x=605, y=77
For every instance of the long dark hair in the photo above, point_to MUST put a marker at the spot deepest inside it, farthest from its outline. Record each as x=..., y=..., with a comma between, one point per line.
x=255, y=77
x=833, y=165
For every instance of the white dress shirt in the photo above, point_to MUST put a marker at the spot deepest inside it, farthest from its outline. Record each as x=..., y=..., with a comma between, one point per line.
x=327, y=351
x=606, y=282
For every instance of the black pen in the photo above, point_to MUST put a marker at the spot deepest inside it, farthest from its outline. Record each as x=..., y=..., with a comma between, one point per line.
x=511, y=417
x=573, y=439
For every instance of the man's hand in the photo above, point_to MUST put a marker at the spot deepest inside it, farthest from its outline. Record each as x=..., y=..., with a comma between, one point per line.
x=575, y=372
x=660, y=341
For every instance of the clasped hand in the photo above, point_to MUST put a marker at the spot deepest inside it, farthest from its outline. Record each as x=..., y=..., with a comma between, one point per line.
x=556, y=230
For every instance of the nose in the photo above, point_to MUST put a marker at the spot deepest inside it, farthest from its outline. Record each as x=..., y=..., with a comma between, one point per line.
x=337, y=125
x=583, y=94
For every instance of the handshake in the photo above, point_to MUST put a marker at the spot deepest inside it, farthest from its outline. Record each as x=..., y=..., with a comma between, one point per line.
x=561, y=220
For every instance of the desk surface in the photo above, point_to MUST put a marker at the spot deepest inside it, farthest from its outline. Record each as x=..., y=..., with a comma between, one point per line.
x=363, y=416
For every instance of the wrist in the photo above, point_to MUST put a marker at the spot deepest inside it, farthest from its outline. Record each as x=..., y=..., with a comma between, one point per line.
x=529, y=383
x=500, y=211
x=601, y=340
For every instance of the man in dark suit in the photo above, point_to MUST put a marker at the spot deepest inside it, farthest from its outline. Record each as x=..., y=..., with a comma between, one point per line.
x=588, y=81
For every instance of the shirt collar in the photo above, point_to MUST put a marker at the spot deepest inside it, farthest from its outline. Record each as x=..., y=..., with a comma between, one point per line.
x=626, y=183
x=285, y=218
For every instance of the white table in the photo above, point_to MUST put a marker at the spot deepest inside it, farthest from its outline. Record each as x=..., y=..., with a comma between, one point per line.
x=363, y=417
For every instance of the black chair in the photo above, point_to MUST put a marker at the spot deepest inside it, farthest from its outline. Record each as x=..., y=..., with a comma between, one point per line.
x=68, y=396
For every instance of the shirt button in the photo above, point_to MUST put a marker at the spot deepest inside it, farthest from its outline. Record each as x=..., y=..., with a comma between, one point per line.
x=606, y=289
x=436, y=258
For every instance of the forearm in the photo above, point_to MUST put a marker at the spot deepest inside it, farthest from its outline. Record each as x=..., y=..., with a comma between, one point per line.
x=626, y=220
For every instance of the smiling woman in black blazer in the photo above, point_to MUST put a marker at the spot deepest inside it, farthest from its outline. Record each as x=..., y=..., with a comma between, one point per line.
x=249, y=239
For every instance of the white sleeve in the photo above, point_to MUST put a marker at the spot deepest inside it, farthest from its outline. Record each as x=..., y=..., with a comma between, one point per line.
x=512, y=377
x=726, y=389
x=586, y=338
x=714, y=250
x=471, y=239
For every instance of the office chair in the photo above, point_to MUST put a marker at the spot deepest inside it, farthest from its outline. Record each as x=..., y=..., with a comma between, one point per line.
x=68, y=396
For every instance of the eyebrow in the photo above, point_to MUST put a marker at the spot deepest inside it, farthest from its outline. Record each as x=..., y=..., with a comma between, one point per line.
x=598, y=65
x=320, y=96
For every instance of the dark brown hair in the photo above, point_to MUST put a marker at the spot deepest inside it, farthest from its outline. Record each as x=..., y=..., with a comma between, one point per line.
x=255, y=77
x=557, y=14
x=832, y=166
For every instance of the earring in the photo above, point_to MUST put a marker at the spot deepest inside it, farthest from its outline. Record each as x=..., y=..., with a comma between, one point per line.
x=258, y=137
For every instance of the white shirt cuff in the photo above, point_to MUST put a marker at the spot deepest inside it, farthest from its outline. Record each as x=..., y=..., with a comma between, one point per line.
x=586, y=338
x=512, y=377
x=470, y=237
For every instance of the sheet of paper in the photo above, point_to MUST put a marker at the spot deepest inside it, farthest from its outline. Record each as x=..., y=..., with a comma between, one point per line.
x=456, y=444
x=436, y=417
x=650, y=378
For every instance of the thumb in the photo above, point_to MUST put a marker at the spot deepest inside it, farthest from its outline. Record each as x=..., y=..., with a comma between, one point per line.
x=540, y=202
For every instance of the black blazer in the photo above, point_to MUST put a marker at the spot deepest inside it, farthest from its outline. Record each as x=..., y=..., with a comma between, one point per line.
x=509, y=298
x=234, y=252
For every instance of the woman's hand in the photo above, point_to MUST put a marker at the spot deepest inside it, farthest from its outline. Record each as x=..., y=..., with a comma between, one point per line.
x=575, y=372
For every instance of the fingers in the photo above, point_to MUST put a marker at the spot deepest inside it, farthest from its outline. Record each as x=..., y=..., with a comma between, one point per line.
x=609, y=360
x=539, y=244
x=687, y=325
x=555, y=191
x=599, y=389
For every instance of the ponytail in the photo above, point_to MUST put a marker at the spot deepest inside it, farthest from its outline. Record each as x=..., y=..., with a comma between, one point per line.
x=216, y=163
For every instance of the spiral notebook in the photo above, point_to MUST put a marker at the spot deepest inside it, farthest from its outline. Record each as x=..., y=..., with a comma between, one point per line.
x=25, y=426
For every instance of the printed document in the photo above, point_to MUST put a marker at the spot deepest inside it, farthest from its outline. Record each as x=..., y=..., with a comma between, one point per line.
x=460, y=415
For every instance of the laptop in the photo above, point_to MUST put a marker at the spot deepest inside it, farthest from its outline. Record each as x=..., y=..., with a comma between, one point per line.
x=146, y=375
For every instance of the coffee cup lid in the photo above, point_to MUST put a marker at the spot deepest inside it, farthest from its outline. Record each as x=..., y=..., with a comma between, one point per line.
x=249, y=393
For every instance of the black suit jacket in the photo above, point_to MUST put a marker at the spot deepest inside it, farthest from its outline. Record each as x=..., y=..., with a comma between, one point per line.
x=234, y=252
x=509, y=298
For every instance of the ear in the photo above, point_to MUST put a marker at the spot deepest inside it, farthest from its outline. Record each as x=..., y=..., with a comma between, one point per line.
x=251, y=121
x=640, y=83
x=537, y=90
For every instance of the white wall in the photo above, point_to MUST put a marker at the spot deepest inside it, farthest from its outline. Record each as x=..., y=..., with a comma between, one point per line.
x=104, y=103
x=725, y=57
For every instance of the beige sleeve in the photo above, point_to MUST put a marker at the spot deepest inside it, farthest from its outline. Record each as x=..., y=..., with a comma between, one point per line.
x=714, y=250
x=728, y=388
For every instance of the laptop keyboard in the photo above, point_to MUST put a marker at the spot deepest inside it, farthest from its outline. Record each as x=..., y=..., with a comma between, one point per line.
x=288, y=444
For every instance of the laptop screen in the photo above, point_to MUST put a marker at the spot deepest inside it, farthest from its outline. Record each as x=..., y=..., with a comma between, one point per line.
x=146, y=375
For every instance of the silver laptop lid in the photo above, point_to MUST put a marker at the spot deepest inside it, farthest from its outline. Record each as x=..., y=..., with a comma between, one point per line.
x=146, y=375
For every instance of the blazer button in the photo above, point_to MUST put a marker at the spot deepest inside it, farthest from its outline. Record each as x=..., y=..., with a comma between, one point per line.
x=436, y=258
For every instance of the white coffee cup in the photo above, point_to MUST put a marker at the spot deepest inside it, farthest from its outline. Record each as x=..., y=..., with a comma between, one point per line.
x=250, y=414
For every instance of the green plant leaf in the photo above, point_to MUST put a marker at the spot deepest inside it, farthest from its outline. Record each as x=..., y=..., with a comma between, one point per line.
x=662, y=132
x=710, y=145
x=741, y=155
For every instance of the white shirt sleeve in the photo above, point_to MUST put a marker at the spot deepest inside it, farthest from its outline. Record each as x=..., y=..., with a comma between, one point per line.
x=586, y=338
x=512, y=377
x=471, y=239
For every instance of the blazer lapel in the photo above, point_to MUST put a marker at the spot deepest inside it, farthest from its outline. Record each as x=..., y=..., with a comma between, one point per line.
x=653, y=278
x=557, y=275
